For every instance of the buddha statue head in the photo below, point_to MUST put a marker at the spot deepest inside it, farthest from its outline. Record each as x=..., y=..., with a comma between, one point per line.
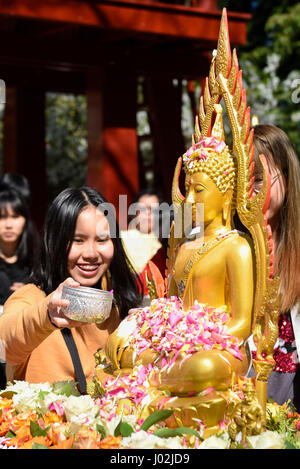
x=210, y=175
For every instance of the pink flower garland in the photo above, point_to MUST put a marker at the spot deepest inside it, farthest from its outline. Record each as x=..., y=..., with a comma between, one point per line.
x=205, y=142
x=127, y=386
x=170, y=331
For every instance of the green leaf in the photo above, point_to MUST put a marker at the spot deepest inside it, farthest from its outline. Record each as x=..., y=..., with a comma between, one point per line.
x=123, y=429
x=67, y=388
x=42, y=394
x=169, y=432
x=8, y=394
x=36, y=430
x=10, y=434
x=39, y=446
x=156, y=417
x=289, y=445
x=100, y=429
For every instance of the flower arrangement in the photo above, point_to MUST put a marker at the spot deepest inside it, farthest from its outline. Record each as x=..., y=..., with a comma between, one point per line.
x=40, y=416
x=284, y=420
x=202, y=148
x=171, y=332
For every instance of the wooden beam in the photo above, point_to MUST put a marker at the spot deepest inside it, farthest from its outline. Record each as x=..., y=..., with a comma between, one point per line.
x=43, y=78
x=143, y=17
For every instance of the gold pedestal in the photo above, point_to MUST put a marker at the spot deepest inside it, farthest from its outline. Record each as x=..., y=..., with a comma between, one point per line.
x=208, y=410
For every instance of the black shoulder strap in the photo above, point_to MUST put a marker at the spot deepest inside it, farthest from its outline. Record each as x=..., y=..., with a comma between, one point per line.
x=70, y=343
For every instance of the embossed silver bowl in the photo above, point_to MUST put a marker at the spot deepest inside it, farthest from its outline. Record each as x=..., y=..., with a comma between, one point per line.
x=87, y=304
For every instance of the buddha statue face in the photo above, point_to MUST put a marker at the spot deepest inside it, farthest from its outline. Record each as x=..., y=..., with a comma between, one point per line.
x=210, y=180
x=208, y=202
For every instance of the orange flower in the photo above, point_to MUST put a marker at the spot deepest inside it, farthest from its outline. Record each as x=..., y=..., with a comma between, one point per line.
x=19, y=442
x=86, y=438
x=296, y=424
x=7, y=414
x=40, y=440
x=19, y=420
x=23, y=434
x=110, y=442
x=4, y=428
x=5, y=402
x=56, y=433
x=51, y=417
x=64, y=444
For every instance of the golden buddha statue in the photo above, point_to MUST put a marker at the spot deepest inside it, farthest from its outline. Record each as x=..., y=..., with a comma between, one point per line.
x=216, y=268
x=224, y=268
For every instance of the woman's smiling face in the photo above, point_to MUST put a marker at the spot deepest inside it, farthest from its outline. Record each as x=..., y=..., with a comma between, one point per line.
x=92, y=249
x=278, y=190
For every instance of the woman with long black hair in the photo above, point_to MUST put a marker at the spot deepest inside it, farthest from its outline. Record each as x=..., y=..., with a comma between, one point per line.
x=80, y=246
x=18, y=242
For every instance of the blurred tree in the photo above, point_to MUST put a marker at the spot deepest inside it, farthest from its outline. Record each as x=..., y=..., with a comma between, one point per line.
x=271, y=62
x=66, y=141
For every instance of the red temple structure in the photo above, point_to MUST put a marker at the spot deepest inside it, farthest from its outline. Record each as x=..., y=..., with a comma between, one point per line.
x=101, y=49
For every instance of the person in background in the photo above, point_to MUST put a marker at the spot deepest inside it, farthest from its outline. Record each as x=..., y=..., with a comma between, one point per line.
x=19, y=183
x=18, y=248
x=19, y=242
x=83, y=253
x=284, y=218
x=147, y=236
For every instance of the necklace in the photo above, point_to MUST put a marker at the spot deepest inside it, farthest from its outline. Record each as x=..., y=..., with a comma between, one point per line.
x=204, y=248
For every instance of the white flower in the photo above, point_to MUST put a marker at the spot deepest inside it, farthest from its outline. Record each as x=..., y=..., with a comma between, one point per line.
x=28, y=395
x=216, y=442
x=33, y=396
x=23, y=386
x=111, y=424
x=48, y=399
x=80, y=410
x=144, y=440
x=295, y=116
x=266, y=440
x=131, y=419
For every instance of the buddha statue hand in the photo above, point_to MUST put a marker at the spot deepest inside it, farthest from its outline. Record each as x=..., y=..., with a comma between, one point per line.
x=118, y=340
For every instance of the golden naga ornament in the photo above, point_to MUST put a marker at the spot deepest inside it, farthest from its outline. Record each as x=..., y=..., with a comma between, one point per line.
x=225, y=82
x=225, y=273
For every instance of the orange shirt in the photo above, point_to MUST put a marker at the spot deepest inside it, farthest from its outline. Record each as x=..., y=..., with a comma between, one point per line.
x=35, y=350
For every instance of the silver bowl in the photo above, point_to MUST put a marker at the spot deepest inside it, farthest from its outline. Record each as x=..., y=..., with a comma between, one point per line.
x=87, y=304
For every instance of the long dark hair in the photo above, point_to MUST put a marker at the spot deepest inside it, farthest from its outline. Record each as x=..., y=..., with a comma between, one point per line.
x=57, y=238
x=29, y=240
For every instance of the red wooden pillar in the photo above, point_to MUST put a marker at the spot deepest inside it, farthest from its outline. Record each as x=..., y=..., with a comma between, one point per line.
x=165, y=100
x=112, y=137
x=24, y=143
